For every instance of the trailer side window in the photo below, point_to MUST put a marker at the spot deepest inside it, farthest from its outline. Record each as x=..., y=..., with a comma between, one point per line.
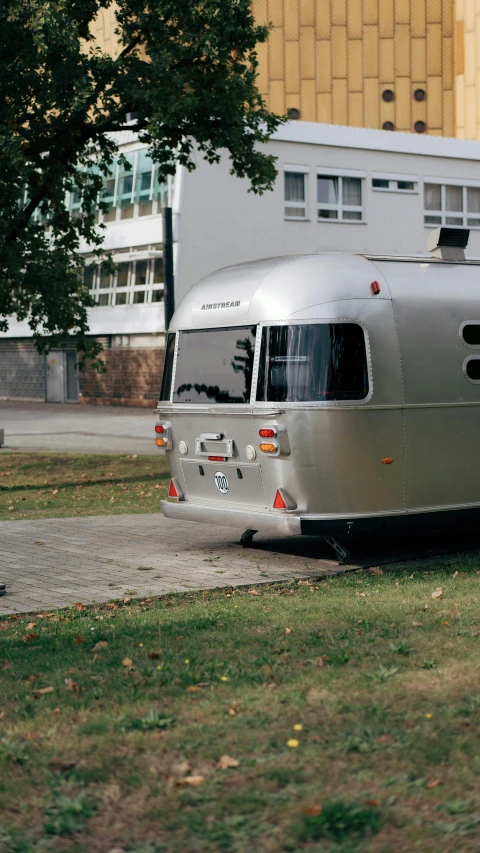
x=313, y=362
x=168, y=368
x=472, y=369
x=471, y=334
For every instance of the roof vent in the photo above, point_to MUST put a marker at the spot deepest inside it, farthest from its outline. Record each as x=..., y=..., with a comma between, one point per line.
x=449, y=244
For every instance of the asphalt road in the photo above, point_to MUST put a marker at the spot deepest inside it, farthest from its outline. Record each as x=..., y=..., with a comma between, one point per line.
x=76, y=428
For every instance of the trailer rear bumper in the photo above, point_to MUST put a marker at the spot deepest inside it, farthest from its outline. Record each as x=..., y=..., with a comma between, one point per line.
x=284, y=523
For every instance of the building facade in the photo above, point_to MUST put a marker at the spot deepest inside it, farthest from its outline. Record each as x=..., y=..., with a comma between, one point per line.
x=338, y=189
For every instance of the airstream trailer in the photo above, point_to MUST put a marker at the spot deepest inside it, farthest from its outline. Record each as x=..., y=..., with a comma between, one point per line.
x=327, y=394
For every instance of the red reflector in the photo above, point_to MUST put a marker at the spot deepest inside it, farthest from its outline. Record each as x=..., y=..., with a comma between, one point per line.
x=172, y=492
x=279, y=503
x=266, y=433
x=375, y=287
x=159, y=428
x=216, y=458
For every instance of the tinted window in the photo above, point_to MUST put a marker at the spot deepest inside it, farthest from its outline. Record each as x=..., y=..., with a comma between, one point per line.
x=166, y=388
x=471, y=334
x=472, y=368
x=215, y=365
x=313, y=363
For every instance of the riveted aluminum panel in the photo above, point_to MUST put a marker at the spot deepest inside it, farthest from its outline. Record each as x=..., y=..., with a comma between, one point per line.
x=246, y=490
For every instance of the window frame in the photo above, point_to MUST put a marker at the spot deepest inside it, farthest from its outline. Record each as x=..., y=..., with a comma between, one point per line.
x=340, y=207
x=312, y=404
x=393, y=179
x=299, y=170
x=130, y=289
x=464, y=215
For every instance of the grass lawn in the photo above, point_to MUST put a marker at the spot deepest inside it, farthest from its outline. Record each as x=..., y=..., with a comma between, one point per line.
x=55, y=485
x=332, y=717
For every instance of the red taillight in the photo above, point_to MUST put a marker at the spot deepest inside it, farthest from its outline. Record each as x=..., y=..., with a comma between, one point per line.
x=159, y=428
x=172, y=492
x=375, y=287
x=216, y=458
x=279, y=502
x=266, y=433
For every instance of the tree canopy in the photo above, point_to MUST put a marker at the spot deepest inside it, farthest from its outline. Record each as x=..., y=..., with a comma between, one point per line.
x=185, y=68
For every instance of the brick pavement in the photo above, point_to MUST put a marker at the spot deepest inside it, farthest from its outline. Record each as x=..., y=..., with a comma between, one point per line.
x=51, y=563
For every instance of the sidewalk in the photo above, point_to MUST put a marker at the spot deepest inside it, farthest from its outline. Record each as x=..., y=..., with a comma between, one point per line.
x=53, y=563
x=75, y=428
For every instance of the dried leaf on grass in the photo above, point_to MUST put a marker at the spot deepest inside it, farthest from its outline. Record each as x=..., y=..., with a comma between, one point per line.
x=194, y=780
x=30, y=626
x=127, y=662
x=226, y=761
x=433, y=783
x=313, y=811
x=42, y=691
x=29, y=638
x=72, y=686
x=437, y=593
x=193, y=688
x=102, y=644
x=78, y=640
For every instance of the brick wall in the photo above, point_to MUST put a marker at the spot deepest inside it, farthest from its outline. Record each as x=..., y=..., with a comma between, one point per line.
x=22, y=370
x=133, y=378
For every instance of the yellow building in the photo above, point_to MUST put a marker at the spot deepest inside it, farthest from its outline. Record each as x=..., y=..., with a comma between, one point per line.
x=408, y=65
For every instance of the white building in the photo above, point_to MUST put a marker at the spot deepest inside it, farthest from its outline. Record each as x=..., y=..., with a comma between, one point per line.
x=339, y=188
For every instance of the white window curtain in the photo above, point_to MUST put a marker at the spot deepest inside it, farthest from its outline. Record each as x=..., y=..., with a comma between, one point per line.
x=352, y=191
x=294, y=186
x=473, y=199
x=454, y=199
x=433, y=197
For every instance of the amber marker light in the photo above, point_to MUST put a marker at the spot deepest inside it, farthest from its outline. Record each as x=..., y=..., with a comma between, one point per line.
x=387, y=461
x=160, y=442
x=267, y=447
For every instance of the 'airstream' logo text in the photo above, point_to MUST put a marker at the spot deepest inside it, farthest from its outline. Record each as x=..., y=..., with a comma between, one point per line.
x=210, y=306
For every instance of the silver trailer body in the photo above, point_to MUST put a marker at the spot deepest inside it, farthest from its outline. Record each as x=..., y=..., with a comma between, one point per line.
x=365, y=375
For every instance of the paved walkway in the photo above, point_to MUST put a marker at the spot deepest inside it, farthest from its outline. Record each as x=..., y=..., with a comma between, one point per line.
x=81, y=429
x=55, y=562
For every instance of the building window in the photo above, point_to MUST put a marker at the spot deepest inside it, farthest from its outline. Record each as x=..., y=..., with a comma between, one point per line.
x=295, y=195
x=134, y=192
x=448, y=204
x=385, y=183
x=133, y=283
x=339, y=198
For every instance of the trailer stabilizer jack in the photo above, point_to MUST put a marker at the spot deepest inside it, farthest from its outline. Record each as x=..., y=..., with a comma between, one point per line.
x=247, y=537
x=340, y=551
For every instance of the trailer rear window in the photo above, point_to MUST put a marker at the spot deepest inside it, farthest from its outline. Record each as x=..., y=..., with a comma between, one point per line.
x=215, y=365
x=312, y=362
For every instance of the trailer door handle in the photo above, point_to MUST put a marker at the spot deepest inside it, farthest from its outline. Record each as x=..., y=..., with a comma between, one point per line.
x=211, y=436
